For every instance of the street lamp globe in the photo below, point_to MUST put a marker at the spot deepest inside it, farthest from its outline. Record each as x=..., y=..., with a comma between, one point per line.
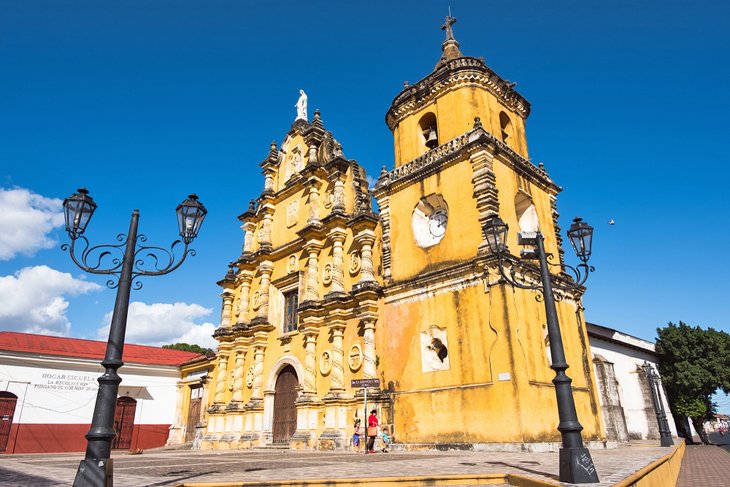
x=495, y=231
x=190, y=216
x=78, y=209
x=581, y=237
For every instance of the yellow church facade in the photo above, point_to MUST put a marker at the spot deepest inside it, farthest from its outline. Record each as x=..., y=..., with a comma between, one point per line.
x=327, y=290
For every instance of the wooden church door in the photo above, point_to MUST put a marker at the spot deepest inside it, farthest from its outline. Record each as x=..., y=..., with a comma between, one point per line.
x=285, y=408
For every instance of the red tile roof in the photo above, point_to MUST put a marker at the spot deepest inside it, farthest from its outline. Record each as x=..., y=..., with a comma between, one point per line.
x=75, y=347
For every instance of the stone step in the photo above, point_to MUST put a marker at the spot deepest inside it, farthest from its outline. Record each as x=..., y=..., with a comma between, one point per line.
x=283, y=446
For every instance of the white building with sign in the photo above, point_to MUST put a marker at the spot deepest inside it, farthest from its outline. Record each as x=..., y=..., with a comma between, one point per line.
x=48, y=391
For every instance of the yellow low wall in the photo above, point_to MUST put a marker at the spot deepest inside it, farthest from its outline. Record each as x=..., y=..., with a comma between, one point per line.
x=661, y=473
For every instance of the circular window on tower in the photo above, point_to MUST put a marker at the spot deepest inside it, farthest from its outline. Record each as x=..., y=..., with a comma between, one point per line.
x=429, y=221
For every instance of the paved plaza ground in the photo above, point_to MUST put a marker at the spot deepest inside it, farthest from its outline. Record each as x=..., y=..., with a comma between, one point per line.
x=163, y=468
x=703, y=466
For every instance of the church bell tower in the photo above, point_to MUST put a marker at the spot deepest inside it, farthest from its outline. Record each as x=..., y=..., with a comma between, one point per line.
x=466, y=353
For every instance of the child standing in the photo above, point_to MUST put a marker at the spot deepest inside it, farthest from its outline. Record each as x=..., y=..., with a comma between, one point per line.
x=386, y=440
x=356, y=435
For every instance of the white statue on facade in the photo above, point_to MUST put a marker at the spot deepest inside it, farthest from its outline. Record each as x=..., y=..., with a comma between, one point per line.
x=301, y=106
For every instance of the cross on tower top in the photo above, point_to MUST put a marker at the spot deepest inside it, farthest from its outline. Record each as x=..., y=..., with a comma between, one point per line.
x=447, y=27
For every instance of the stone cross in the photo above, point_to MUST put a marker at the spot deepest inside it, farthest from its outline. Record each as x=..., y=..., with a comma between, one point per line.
x=447, y=27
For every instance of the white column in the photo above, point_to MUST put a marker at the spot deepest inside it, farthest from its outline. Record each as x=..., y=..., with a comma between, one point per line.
x=310, y=363
x=338, y=273
x=265, y=268
x=338, y=355
x=246, y=279
x=313, y=202
x=220, y=384
x=312, y=289
x=366, y=240
x=258, y=372
x=368, y=368
x=238, y=375
x=227, y=296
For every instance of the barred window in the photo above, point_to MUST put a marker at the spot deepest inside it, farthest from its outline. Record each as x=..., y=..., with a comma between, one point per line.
x=291, y=306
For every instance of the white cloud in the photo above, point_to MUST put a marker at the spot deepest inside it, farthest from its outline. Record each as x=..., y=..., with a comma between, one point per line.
x=26, y=219
x=163, y=323
x=32, y=300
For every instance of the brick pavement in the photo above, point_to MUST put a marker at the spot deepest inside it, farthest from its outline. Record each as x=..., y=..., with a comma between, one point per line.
x=706, y=466
x=168, y=468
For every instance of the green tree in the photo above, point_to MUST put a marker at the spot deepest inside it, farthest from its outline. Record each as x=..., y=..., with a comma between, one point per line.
x=187, y=347
x=694, y=363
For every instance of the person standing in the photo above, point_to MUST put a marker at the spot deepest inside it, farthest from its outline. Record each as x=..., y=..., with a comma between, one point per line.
x=356, y=435
x=386, y=440
x=372, y=431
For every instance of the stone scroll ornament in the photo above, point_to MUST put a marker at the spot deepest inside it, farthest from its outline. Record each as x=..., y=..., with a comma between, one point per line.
x=327, y=274
x=249, y=377
x=354, y=357
x=256, y=300
x=231, y=379
x=355, y=263
x=325, y=363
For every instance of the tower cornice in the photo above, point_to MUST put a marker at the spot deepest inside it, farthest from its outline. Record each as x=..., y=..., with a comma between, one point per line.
x=458, y=72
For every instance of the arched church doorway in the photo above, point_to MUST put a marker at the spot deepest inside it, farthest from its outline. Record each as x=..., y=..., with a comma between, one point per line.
x=7, y=411
x=124, y=422
x=285, y=408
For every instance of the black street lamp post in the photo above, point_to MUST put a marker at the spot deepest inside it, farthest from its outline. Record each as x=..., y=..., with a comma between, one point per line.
x=576, y=464
x=96, y=468
x=665, y=435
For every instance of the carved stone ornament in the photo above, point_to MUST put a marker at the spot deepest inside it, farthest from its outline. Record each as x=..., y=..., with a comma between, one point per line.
x=325, y=363
x=256, y=300
x=249, y=377
x=291, y=264
x=327, y=274
x=355, y=263
x=231, y=379
x=237, y=307
x=329, y=199
x=292, y=213
x=354, y=357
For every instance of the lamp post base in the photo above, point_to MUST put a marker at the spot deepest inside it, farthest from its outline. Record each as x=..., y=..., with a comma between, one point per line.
x=94, y=473
x=576, y=466
x=666, y=440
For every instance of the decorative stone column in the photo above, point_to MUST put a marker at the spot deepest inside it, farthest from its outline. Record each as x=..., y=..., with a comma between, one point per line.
x=485, y=189
x=339, y=192
x=366, y=240
x=338, y=358
x=265, y=231
x=338, y=272
x=312, y=154
x=310, y=362
x=384, y=205
x=227, y=296
x=368, y=369
x=268, y=181
x=265, y=268
x=258, y=373
x=249, y=228
x=311, y=292
x=220, y=383
x=246, y=279
x=238, y=375
x=313, y=201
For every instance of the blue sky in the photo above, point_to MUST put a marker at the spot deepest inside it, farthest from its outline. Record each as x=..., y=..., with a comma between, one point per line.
x=144, y=102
